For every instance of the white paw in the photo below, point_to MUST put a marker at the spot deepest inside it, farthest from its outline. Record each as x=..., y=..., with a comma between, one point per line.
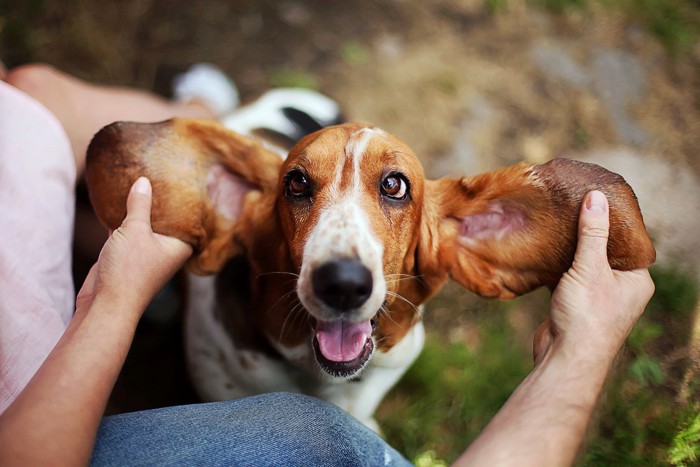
x=206, y=82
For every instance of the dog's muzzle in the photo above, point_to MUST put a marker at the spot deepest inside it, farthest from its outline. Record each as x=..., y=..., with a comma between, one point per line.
x=343, y=347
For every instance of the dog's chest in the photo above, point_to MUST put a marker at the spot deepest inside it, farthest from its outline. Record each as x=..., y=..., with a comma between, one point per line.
x=226, y=365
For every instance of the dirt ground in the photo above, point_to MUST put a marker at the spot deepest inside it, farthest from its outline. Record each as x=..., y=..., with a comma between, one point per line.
x=460, y=84
x=414, y=68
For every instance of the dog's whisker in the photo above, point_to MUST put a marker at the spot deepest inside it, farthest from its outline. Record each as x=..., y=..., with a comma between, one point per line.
x=380, y=340
x=401, y=276
x=404, y=299
x=284, y=297
x=401, y=297
x=278, y=272
x=389, y=278
x=293, y=314
x=384, y=311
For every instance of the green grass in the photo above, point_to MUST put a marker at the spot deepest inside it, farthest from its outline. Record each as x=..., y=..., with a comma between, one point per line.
x=685, y=449
x=284, y=77
x=453, y=390
x=641, y=421
x=676, y=23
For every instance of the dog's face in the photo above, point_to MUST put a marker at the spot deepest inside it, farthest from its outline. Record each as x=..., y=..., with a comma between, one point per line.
x=349, y=203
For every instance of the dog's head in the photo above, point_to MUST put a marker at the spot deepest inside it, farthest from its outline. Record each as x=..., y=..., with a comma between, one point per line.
x=351, y=213
x=350, y=205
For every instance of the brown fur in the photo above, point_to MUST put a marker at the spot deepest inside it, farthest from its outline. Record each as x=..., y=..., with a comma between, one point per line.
x=430, y=239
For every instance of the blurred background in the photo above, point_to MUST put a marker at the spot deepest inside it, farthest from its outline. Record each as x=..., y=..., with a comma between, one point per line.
x=471, y=85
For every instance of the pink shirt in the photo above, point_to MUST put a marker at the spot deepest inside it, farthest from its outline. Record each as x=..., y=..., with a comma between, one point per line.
x=37, y=179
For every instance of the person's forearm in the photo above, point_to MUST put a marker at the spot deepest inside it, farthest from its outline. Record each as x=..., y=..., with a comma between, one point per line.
x=55, y=419
x=545, y=420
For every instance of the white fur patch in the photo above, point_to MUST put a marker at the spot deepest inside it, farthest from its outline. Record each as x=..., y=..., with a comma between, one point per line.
x=206, y=82
x=266, y=112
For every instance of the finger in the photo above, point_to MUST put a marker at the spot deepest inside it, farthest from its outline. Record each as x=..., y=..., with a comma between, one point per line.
x=138, y=204
x=542, y=340
x=593, y=230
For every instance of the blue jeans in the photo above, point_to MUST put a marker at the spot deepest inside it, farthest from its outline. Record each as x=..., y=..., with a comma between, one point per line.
x=267, y=430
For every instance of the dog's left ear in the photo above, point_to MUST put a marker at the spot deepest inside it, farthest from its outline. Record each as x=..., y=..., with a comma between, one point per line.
x=507, y=232
x=210, y=185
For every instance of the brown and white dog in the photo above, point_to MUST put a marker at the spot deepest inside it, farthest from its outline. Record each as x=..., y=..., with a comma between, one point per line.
x=336, y=248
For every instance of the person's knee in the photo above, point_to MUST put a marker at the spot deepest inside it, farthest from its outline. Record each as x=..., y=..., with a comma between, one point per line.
x=33, y=78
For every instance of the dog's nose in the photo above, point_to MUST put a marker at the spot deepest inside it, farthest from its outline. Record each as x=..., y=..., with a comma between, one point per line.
x=343, y=284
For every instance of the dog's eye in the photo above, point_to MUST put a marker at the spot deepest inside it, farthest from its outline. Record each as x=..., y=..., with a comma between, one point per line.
x=395, y=186
x=297, y=184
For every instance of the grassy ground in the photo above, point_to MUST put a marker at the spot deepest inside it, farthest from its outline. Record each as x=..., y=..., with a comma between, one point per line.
x=648, y=416
x=676, y=23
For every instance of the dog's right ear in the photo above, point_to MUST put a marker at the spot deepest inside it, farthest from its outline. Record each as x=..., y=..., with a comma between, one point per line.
x=504, y=233
x=207, y=182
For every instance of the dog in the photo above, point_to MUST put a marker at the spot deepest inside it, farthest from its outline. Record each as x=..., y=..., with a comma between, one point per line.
x=311, y=271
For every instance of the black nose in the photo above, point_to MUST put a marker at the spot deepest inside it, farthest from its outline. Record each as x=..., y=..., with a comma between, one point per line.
x=342, y=284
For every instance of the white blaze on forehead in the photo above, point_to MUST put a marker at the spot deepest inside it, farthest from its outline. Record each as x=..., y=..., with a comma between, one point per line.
x=343, y=231
x=355, y=150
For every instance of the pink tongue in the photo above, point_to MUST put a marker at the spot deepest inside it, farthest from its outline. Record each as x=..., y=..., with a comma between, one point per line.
x=342, y=341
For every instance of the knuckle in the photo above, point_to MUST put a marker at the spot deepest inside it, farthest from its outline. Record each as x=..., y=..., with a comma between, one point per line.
x=649, y=285
x=595, y=231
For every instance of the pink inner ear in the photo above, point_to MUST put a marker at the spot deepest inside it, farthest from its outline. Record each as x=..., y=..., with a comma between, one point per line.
x=496, y=222
x=226, y=191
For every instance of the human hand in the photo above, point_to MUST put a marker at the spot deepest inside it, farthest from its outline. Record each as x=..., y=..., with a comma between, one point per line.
x=135, y=263
x=594, y=307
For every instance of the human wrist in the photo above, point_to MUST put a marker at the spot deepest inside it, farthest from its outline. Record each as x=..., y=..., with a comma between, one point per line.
x=592, y=354
x=573, y=370
x=116, y=307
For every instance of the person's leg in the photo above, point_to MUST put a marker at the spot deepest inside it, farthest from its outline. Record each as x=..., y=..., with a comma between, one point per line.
x=37, y=178
x=84, y=108
x=44, y=131
x=265, y=430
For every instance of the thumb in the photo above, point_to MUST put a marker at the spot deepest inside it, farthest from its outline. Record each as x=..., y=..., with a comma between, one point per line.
x=593, y=230
x=138, y=203
x=544, y=336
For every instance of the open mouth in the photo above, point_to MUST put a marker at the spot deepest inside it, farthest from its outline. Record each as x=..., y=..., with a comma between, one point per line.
x=343, y=348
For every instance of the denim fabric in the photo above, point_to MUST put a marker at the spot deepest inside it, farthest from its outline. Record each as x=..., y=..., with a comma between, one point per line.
x=267, y=430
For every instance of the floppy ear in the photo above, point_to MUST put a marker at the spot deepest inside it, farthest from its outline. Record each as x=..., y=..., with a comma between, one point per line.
x=207, y=182
x=507, y=232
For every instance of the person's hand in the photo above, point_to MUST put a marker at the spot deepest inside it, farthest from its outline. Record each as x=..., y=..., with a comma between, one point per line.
x=594, y=308
x=135, y=263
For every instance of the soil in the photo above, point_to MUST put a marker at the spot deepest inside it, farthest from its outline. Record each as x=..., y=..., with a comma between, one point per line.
x=460, y=84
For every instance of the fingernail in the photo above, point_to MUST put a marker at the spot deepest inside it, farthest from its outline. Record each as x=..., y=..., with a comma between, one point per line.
x=596, y=202
x=142, y=186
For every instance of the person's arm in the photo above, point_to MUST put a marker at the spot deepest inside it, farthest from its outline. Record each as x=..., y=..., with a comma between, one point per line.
x=593, y=310
x=55, y=419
